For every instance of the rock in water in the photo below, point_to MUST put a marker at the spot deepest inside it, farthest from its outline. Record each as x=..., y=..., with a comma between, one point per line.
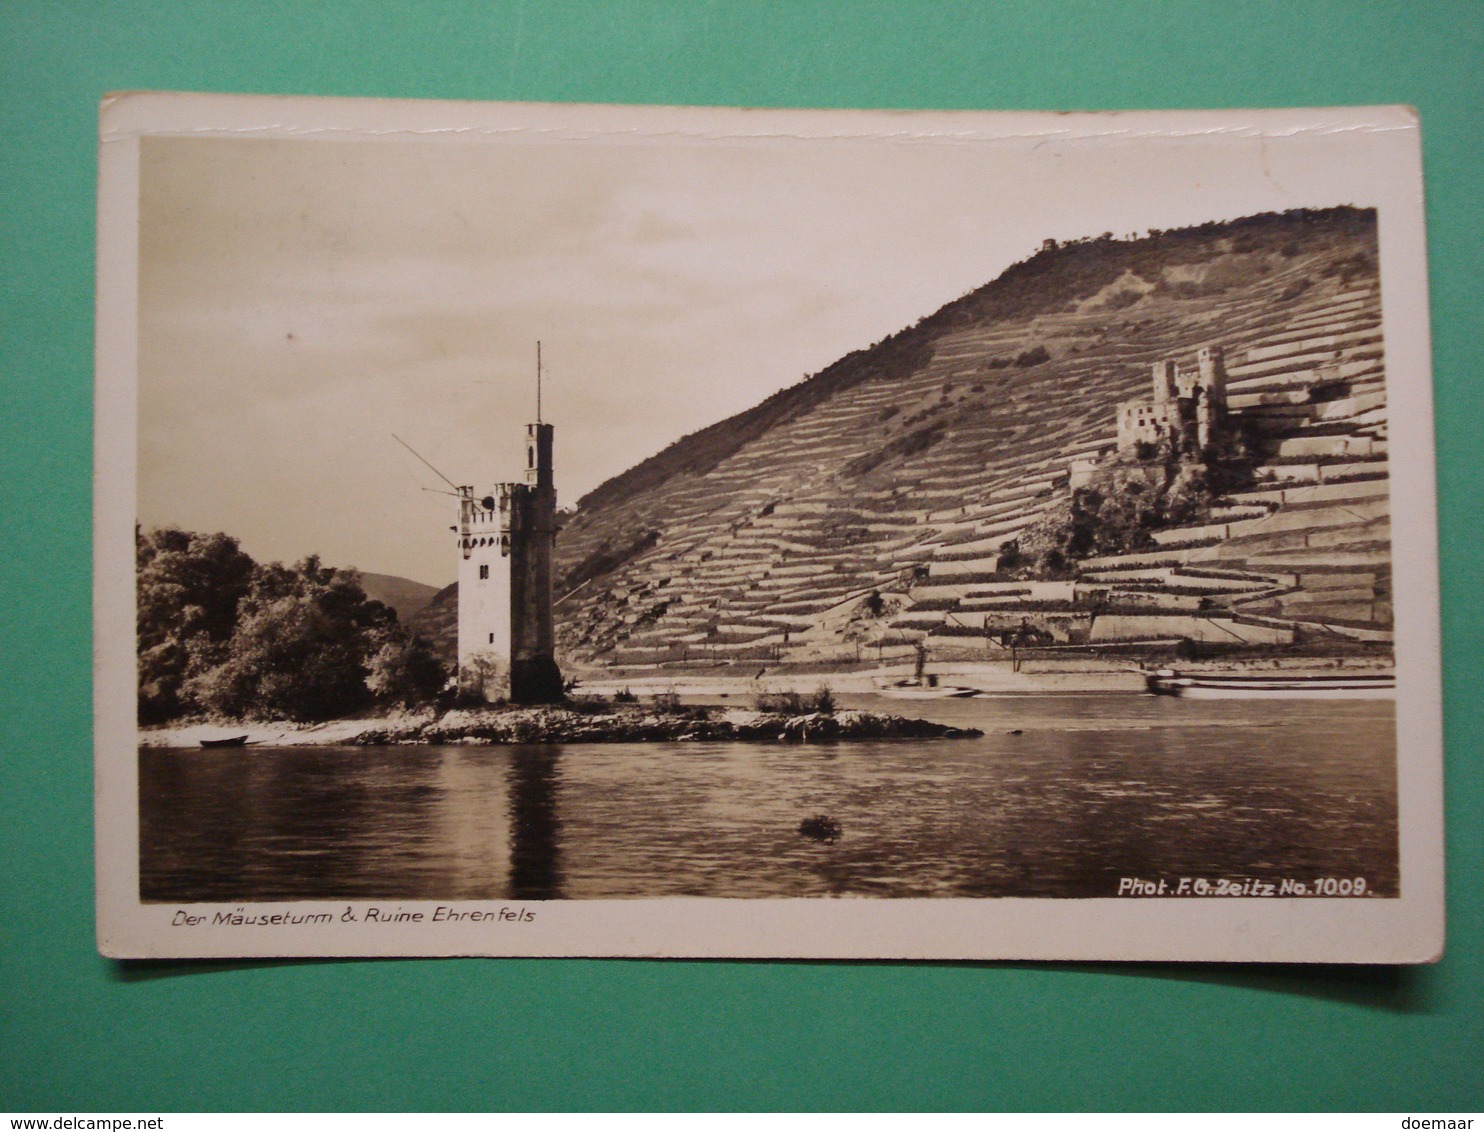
x=820, y=827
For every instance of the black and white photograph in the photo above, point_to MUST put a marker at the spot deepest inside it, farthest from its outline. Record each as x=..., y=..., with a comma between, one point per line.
x=537, y=530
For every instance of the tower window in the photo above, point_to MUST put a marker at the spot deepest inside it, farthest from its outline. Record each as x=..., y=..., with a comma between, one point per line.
x=492, y=638
x=484, y=572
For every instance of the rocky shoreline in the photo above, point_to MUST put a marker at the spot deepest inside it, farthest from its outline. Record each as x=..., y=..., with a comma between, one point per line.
x=577, y=723
x=563, y=725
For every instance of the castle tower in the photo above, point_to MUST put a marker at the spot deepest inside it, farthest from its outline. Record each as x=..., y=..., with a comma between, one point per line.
x=506, y=545
x=1186, y=384
x=1211, y=404
x=534, y=676
x=484, y=590
x=1164, y=381
x=1212, y=361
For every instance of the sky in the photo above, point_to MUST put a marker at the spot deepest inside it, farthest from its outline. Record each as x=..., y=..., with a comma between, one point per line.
x=302, y=299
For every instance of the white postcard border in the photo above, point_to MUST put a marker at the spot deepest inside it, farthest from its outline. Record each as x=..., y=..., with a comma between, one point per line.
x=1408, y=928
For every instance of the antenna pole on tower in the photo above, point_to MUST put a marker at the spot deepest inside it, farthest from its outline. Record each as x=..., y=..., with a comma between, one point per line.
x=430, y=467
x=538, y=381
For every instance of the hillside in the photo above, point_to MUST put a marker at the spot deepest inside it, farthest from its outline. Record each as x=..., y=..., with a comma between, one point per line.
x=868, y=506
x=402, y=594
x=437, y=622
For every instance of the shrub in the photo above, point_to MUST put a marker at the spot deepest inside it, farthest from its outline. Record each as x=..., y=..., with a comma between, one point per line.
x=779, y=703
x=666, y=703
x=481, y=675
x=1011, y=556
x=1294, y=290
x=403, y=670
x=1122, y=299
x=935, y=604
x=589, y=705
x=790, y=702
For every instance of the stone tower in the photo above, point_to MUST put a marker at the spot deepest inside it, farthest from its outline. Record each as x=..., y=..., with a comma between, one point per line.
x=534, y=676
x=1164, y=381
x=1210, y=407
x=506, y=545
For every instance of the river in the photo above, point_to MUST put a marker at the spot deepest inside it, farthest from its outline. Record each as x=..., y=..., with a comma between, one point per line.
x=1062, y=796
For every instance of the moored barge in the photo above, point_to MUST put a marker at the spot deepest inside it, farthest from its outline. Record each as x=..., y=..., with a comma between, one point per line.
x=1272, y=685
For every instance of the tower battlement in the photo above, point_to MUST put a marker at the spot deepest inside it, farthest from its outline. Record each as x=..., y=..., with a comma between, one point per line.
x=484, y=518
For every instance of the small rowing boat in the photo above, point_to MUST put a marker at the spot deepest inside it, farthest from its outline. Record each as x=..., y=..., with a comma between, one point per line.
x=927, y=690
x=234, y=741
x=1272, y=685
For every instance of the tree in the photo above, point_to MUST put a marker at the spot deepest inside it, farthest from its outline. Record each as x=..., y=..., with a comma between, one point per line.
x=1187, y=500
x=1113, y=514
x=223, y=634
x=484, y=675
x=403, y=669
x=302, y=647
x=189, y=588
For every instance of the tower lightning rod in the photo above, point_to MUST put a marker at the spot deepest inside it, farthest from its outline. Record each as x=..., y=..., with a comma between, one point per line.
x=430, y=467
x=538, y=381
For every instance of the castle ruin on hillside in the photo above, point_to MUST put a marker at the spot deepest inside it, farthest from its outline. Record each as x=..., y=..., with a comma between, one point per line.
x=507, y=541
x=1188, y=411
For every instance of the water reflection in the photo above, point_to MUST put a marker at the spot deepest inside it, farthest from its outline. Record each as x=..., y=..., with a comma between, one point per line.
x=535, y=826
x=1061, y=797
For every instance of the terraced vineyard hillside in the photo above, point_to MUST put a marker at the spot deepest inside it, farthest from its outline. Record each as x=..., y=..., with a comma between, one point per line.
x=865, y=509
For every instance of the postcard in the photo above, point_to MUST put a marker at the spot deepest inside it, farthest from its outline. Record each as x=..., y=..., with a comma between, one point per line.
x=548, y=530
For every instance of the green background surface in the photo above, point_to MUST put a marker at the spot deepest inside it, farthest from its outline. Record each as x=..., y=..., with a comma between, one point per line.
x=82, y=1033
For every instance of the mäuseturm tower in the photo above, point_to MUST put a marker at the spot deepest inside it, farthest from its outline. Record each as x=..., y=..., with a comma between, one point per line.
x=506, y=544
